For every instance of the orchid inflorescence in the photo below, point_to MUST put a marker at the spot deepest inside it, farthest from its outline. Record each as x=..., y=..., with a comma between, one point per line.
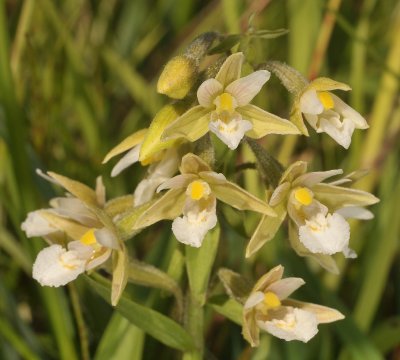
x=211, y=104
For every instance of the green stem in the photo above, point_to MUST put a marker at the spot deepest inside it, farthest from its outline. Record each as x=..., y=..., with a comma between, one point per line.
x=194, y=324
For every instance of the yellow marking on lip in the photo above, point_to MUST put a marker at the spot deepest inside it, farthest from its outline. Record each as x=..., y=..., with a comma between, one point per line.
x=88, y=237
x=225, y=103
x=304, y=196
x=197, y=190
x=326, y=99
x=271, y=300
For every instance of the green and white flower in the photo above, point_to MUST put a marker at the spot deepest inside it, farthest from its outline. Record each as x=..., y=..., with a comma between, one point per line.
x=268, y=308
x=193, y=195
x=317, y=213
x=224, y=108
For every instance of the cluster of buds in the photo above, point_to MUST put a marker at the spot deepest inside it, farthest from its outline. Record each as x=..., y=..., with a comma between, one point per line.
x=83, y=229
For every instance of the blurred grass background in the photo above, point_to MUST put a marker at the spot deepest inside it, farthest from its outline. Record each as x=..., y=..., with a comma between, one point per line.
x=78, y=76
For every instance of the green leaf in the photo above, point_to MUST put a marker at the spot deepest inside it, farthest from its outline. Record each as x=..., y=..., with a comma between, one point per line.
x=269, y=34
x=148, y=275
x=199, y=262
x=227, y=307
x=235, y=285
x=154, y=323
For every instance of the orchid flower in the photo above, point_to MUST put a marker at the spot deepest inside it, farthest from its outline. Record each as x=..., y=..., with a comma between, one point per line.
x=224, y=108
x=268, y=308
x=317, y=212
x=193, y=195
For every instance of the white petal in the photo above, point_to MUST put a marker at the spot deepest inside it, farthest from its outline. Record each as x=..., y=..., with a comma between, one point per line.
x=36, y=225
x=82, y=251
x=285, y=287
x=100, y=191
x=208, y=91
x=55, y=266
x=312, y=178
x=245, y=89
x=128, y=159
x=107, y=238
x=146, y=189
x=310, y=103
x=98, y=259
x=325, y=234
x=348, y=112
x=341, y=133
x=254, y=299
x=73, y=208
x=355, y=212
x=230, y=133
x=46, y=177
x=167, y=167
x=177, y=182
x=198, y=217
x=292, y=324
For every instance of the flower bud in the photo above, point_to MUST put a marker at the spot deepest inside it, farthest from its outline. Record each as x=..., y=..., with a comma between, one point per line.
x=178, y=77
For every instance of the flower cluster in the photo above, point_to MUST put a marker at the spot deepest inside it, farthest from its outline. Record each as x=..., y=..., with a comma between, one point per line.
x=182, y=185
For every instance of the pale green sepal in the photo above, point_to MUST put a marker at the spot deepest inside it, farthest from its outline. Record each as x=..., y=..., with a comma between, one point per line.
x=126, y=222
x=118, y=205
x=293, y=171
x=167, y=207
x=147, y=275
x=230, y=69
x=152, y=142
x=199, y=262
x=324, y=314
x=265, y=123
x=76, y=188
x=192, y=125
x=239, y=198
x=326, y=261
x=177, y=182
x=313, y=178
x=73, y=229
x=227, y=307
x=126, y=144
x=266, y=230
x=296, y=117
x=192, y=164
x=336, y=197
x=280, y=194
x=236, y=286
x=267, y=279
x=326, y=84
x=154, y=323
x=119, y=274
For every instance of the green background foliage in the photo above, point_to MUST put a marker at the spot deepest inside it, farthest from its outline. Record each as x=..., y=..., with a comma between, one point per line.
x=78, y=76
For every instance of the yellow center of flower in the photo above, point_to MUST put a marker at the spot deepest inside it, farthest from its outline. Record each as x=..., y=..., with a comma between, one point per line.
x=197, y=189
x=271, y=301
x=88, y=237
x=225, y=103
x=326, y=99
x=304, y=196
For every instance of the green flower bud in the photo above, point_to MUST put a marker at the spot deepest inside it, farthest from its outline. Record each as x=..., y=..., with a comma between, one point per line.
x=178, y=77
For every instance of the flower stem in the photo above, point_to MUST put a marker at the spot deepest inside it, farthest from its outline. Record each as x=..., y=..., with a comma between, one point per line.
x=194, y=324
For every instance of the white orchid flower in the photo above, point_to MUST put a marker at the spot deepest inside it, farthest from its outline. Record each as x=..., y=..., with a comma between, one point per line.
x=224, y=108
x=268, y=308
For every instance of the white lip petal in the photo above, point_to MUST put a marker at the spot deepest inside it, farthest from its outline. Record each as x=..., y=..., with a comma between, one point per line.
x=230, y=133
x=106, y=237
x=208, y=91
x=36, y=225
x=312, y=178
x=128, y=159
x=292, y=324
x=325, y=234
x=246, y=88
x=349, y=113
x=55, y=266
x=340, y=133
x=355, y=212
x=310, y=103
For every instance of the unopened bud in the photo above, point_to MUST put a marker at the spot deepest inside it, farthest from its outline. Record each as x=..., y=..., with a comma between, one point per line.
x=178, y=77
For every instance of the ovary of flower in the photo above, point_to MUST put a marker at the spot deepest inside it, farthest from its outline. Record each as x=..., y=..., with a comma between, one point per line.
x=199, y=214
x=325, y=112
